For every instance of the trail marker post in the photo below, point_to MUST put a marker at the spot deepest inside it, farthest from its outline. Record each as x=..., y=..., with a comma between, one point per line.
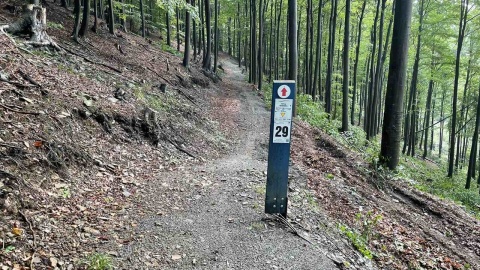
x=283, y=100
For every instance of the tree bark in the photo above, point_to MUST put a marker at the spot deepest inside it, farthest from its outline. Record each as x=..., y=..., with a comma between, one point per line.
x=111, y=23
x=331, y=51
x=461, y=35
x=207, y=62
x=346, y=67
x=391, y=135
x=85, y=18
x=142, y=18
x=186, y=53
x=357, y=55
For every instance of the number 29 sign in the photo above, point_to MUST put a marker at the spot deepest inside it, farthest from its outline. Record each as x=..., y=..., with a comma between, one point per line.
x=283, y=99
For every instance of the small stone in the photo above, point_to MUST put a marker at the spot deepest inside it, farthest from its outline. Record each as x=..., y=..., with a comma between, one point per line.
x=194, y=261
x=176, y=257
x=53, y=262
x=91, y=230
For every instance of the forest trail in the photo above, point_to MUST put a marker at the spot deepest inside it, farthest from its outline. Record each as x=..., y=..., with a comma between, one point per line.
x=220, y=224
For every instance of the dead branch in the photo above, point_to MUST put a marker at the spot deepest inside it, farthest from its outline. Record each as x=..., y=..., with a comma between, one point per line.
x=188, y=97
x=17, y=111
x=90, y=60
x=181, y=149
x=9, y=145
x=31, y=228
x=15, y=83
x=28, y=78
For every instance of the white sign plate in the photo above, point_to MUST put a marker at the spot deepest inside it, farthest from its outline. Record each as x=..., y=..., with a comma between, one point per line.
x=282, y=120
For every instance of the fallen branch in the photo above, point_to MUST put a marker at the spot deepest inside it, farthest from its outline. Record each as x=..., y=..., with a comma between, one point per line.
x=286, y=223
x=34, y=244
x=9, y=145
x=90, y=60
x=17, y=111
x=188, y=97
x=181, y=149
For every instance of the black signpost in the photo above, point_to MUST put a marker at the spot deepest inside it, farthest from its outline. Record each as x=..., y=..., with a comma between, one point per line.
x=283, y=100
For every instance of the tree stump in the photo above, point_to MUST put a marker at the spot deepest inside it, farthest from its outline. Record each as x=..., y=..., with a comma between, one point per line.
x=33, y=23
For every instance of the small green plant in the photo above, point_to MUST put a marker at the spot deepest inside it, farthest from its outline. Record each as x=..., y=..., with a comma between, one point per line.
x=257, y=226
x=65, y=192
x=170, y=49
x=98, y=261
x=367, y=222
x=357, y=240
x=8, y=249
x=361, y=239
x=54, y=25
x=260, y=190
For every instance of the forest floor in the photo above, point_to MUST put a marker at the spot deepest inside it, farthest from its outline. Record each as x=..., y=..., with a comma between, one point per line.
x=97, y=159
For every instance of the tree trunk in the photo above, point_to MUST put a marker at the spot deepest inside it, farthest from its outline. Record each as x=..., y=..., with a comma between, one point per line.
x=473, y=151
x=111, y=23
x=76, y=25
x=194, y=34
x=85, y=18
x=167, y=19
x=207, y=62
x=461, y=35
x=428, y=107
x=177, y=17
x=331, y=50
x=142, y=18
x=391, y=135
x=217, y=39
x=260, y=44
x=357, y=55
x=317, y=79
x=186, y=52
x=95, y=14
x=346, y=67
x=369, y=108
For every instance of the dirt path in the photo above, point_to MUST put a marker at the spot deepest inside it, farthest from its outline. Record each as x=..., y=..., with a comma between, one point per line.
x=217, y=219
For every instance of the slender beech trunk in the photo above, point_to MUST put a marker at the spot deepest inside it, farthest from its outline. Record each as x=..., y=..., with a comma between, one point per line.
x=186, y=53
x=292, y=44
x=111, y=23
x=317, y=79
x=346, y=67
x=85, y=18
x=331, y=50
x=474, y=149
x=76, y=25
x=142, y=17
x=177, y=17
x=194, y=30
x=461, y=35
x=428, y=107
x=207, y=61
x=260, y=44
x=217, y=38
x=391, y=134
x=169, y=27
x=357, y=55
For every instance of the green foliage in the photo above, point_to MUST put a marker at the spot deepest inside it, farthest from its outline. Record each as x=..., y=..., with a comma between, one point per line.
x=357, y=241
x=98, y=261
x=51, y=24
x=170, y=49
x=360, y=240
x=431, y=178
x=8, y=249
x=65, y=192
